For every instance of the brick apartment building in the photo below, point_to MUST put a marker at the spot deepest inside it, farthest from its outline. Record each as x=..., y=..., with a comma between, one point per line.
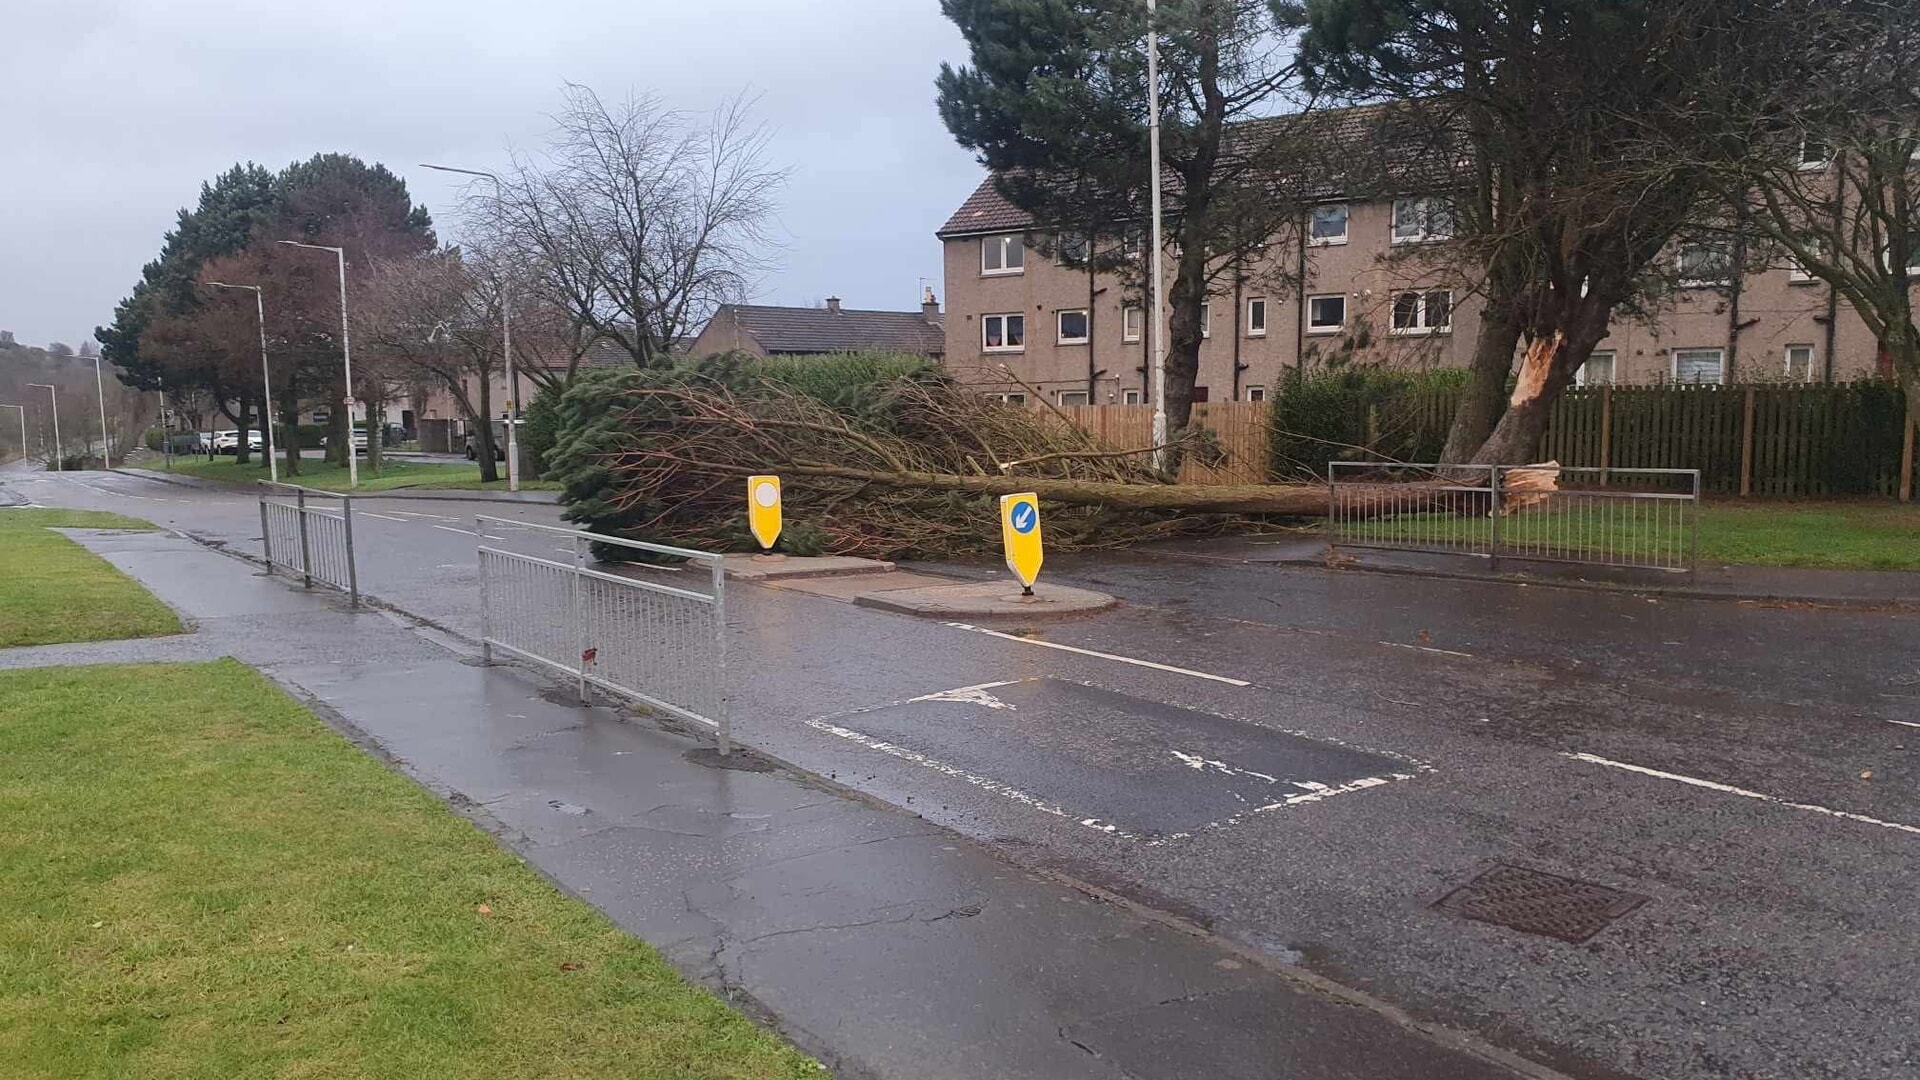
x=1367, y=297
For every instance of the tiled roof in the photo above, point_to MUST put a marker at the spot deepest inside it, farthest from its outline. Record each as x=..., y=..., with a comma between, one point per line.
x=808, y=330
x=1379, y=149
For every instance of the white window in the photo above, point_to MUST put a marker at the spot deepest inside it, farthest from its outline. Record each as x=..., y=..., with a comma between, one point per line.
x=1003, y=333
x=1073, y=249
x=1699, y=365
x=1135, y=239
x=1429, y=312
x=1597, y=371
x=1130, y=320
x=1257, y=317
x=1705, y=263
x=1130, y=397
x=1073, y=327
x=1797, y=274
x=1814, y=154
x=1326, y=314
x=1256, y=393
x=1003, y=255
x=1417, y=221
x=1011, y=398
x=1070, y=397
x=1206, y=320
x=1800, y=362
x=1328, y=224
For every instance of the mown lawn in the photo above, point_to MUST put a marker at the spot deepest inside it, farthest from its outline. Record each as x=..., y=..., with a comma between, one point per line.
x=53, y=590
x=199, y=879
x=1858, y=535
x=394, y=474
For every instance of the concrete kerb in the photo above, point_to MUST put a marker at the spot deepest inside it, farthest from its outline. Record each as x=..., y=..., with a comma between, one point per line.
x=986, y=599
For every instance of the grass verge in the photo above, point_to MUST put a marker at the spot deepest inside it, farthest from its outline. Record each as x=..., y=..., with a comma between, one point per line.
x=1832, y=535
x=52, y=590
x=199, y=879
x=394, y=474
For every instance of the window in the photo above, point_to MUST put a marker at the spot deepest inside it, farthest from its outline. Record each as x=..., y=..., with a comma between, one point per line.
x=1699, y=365
x=1800, y=362
x=1328, y=224
x=1326, y=314
x=1815, y=154
x=1073, y=249
x=1073, y=327
x=1130, y=397
x=1429, y=312
x=1257, y=317
x=1135, y=239
x=1418, y=221
x=1597, y=371
x=1011, y=399
x=1256, y=393
x=1199, y=395
x=1004, y=333
x=1070, y=397
x=1206, y=320
x=1130, y=320
x=1705, y=263
x=1003, y=255
x=1799, y=275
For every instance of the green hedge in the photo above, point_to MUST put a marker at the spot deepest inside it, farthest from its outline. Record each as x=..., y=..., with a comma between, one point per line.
x=1359, y=413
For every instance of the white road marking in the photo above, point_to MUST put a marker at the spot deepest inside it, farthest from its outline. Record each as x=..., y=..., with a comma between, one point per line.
x=383, y=517
x=1202, y=764
x=972, y=695
x=1728, y=789
x=436, y=517
x=449, y=528
x=1427, y=648
x=1101, y=655
x=1904, y=723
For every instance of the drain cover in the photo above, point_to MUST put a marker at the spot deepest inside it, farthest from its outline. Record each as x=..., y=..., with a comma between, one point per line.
x=1536, y=903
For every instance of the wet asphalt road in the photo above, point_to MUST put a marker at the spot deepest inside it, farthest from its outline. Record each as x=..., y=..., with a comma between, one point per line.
x=1339, y=751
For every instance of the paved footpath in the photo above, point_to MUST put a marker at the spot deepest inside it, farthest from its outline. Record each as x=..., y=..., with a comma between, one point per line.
x=885, y=945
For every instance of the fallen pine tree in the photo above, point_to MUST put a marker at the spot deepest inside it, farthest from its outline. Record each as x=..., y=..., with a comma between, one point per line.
x=904, y=463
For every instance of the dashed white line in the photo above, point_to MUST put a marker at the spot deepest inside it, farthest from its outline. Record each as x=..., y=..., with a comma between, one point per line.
x=1101, y=655
x=383, y=517
x=1728, y=789
x=1427, y=648
x=1904, y=723
x=449, y=528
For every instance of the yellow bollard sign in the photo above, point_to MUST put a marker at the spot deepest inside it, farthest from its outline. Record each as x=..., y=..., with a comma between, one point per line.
x=763, y=509
x=1020, y=533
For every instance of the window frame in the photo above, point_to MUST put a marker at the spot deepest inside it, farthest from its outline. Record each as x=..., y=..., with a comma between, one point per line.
x=1133, y=323
x=1064, y=246
x=1673, y=365
x=1318, y=328
x=1582, y=379
x=1813, y=355
x=1003, y=316
x=1422, y=313
x=1813, y=164
x=1260, y=330
x=1060, y=330
x=1008, y=397
x=1346, y=225
x=1206, y=320
x=1423, y=206
x=1251, y=391
x=1005, y=243
x=1132, y=397
x=1680, y=267
x=1060, y=398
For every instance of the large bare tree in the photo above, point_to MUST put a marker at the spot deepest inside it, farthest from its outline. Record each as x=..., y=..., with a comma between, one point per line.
x=636, y=221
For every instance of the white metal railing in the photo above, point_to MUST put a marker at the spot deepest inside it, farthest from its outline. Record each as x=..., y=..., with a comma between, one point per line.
x=1638, y=518
x=309, y=533
x=654, y=634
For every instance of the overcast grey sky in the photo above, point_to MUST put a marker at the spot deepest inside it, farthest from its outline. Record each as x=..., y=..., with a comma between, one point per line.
x=112, y=113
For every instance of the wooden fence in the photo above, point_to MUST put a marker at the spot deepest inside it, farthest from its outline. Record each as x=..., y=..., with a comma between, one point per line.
x=1777, y=439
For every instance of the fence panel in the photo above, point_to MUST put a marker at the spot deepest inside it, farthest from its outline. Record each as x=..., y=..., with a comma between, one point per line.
x=309, y=534
x=654, y=634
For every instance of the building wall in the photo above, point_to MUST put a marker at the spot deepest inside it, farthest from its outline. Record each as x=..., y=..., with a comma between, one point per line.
x=1369, y=270
x=722, y=335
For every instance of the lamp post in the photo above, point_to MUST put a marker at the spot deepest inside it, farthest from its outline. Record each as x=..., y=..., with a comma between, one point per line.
x=346, y=357
x=266, y=378
x=55, y=398
x=506, y=344
x=1157, y=359
x=23, y=428
x=100, y=391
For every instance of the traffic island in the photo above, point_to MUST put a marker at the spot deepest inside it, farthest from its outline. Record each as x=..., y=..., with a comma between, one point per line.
x=978, y=599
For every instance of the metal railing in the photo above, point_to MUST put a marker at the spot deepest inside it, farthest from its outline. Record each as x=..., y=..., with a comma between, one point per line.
x=655, y=634
x=1636, y=518
x=309, y=534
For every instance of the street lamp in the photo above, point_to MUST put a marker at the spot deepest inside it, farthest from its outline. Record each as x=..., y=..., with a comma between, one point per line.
x=266, y=378
x=346, y=356
x=506, y=344
x=23, y=428
x=1157, y=359
x=55, y=398
x=100, y=391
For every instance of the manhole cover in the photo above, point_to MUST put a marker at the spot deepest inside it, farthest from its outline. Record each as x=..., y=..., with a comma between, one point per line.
x=1536, y=903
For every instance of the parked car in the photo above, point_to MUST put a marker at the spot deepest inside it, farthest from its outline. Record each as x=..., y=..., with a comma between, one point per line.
x=228, y=442
x=499, y=440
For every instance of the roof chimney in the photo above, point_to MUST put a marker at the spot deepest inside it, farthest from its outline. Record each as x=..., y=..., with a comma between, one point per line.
x=833, y=304
x=929, y=303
